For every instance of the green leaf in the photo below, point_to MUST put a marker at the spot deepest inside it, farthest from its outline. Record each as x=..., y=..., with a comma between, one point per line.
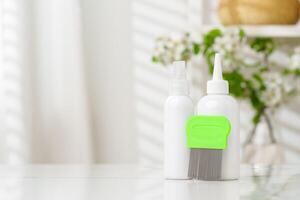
x=196, y=48
x=295, y=72
x=256, y=118
x=260, y=80
x=263, y=45
x=185, y=54
x=209, y=38
x=236, y=81
x=209, y=56
x=242, y=33
x=255, y=100
x=154, y=59
x=286, y=71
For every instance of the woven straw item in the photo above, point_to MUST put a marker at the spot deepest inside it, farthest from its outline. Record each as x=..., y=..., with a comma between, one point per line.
x=258, y=12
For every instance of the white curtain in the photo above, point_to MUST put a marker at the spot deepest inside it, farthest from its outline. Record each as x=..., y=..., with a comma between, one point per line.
x=44, y=105
x=63, y=133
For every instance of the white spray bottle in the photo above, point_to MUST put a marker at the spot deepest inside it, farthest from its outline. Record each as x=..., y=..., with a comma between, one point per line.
x=178, y=108
x=219, y=102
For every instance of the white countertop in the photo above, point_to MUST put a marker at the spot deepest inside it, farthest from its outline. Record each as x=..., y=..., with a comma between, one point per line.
x=131, y=182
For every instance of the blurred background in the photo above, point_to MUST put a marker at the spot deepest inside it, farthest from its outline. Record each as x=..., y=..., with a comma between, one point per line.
x=77, y=84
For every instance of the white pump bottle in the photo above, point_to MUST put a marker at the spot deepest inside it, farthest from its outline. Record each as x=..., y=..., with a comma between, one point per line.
x=178, y=108
x=219, y=102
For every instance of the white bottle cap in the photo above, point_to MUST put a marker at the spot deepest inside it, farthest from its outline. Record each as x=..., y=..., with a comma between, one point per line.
x=179, y=83
x=217, y=85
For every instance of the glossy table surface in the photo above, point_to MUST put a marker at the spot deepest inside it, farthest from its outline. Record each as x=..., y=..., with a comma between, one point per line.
x=132, y=182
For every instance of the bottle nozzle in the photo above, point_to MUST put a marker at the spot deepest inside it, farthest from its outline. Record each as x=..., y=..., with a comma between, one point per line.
x=217, y=74
x=217, y=85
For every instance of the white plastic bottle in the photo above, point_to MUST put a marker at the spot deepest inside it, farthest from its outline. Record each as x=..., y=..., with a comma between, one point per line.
x=178, y=108
x=219, y=102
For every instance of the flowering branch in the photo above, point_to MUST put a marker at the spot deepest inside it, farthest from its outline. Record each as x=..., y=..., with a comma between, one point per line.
x=246, y=65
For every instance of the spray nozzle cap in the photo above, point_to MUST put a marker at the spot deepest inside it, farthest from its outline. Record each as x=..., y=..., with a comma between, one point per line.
x=217, y=85
x=179, y=83
x=178, y=70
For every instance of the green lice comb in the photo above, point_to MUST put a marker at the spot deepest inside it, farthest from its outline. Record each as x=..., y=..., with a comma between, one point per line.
x=207, y=132
x=207, y=137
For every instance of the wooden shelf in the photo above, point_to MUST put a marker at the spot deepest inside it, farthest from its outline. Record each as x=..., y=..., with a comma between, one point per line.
x=283, y=31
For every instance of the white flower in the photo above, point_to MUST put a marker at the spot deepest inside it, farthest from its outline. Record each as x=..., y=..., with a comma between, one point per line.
x=278, y=88
x=288, y=86
x=295, y=59
x=227, y=65
x=295, y=62
x=273, y=95
x=228, y=42
x=248, y=55
x=235, y=50
x=227, y=45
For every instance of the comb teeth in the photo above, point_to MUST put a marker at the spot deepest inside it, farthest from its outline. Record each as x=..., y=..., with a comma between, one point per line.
x=205, y=164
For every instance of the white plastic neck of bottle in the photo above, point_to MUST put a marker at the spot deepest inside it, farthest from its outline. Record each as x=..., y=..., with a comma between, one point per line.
x=179, y=87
